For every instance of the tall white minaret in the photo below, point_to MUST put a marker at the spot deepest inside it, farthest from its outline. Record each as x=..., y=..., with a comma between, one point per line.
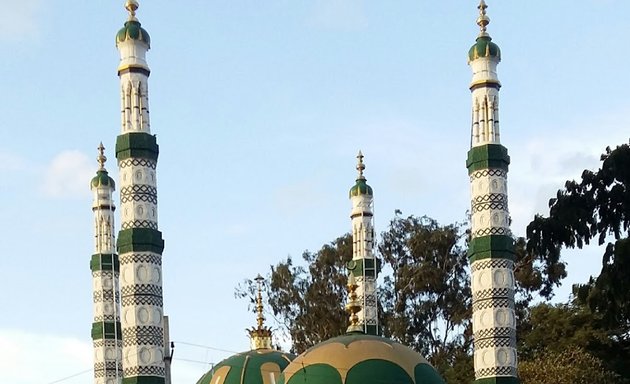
x=363, y=266
x=106, y=332
x=140, y=243
x=491, y=249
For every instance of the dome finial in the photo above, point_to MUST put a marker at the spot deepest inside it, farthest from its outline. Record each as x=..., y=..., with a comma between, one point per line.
x=260, y=319
x=260, y=336
x=360, y=166
x=483, y=20
x=101, y=157
x=132, y=6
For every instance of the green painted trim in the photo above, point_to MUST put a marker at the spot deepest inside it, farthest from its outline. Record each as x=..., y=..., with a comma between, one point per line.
x=372, y=330
x=359, y=267
x=140, y=239
x=498, y=380
x=137, y=144
x=106, y=330
x=487, y=156
x=491, y=247
x=105, y=262
x=143, y=380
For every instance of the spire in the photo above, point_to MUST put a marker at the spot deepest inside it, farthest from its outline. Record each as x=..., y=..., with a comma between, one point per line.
x=260, y=319
x=132, y=6
x=483, y=20
x=360, y=166
x=101, y=157
x=260, y=336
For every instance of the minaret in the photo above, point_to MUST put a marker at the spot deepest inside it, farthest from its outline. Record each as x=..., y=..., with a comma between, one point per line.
x=260, y=336
x=106, y=334
x=363, y=266
x=491, y=250
x=140, y=242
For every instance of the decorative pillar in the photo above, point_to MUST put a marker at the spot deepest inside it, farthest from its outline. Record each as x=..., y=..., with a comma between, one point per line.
x=106, y=333
x=491, y=249
x=140, y=243
x=363, y=265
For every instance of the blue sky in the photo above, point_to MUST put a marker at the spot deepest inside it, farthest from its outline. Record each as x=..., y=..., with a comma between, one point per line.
x=259, y=109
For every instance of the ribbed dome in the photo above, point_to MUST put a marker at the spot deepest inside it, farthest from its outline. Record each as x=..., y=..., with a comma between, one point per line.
x=361, y=188
x=356, y=358
x=484, y=47
x=260, y=366
x=134, y=31
x=102, y=179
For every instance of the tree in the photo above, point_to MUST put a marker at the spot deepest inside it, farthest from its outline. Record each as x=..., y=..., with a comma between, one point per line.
x=424, y=303
x=572, y=365
x=597, y=207
x=307, y=302
x=426, y=297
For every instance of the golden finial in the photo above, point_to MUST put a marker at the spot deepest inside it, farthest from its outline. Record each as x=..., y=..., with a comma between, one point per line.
x=353, y=306
x=483, y=20
x=360, y=166
x=101, y=157
x=260, y=336
x=132, y=6
x=260, y=319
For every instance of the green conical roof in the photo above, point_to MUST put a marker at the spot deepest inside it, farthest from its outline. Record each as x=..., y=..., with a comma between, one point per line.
x=133, y=31
x=484, y=47
x=102, y=179
x=361, y=188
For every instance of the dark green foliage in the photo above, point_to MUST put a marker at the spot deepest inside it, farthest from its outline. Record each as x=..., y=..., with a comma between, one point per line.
x=572, y=365
x=426, y=298
x=597, y=207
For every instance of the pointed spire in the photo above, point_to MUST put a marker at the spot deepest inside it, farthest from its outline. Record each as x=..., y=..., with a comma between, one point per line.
x=360, y=166
x=483, y=20
x=260, y=319
x=101, y=157
x=260, y=336
x=132, y=6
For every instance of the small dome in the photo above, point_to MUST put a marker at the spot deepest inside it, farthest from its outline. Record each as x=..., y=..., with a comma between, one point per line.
x=102, y=179
x=356, y=358
x=260, y=366
x=361, y=188
x=484, y=47
x=132, y=30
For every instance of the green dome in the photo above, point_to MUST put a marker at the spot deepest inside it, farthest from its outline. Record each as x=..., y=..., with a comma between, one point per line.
x=260, y=366
x=484, y=47
x=361, y=188
x=357, y=358
x=132, y=30
x=102, y=179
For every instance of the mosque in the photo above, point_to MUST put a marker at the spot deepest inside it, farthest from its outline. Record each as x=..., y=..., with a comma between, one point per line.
x=130, y=331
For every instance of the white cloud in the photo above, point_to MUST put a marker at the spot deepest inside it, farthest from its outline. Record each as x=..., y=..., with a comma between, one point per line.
x=540, y=166
x=339, y=15
x=68, y=175
x=27, y=358
x=19, y=19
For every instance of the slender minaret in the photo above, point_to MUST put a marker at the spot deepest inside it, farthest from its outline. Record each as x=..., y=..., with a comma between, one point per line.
x=140, y=242
x=260, y=336
x=106, y=335
x=491, y=247
x=363, y=266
